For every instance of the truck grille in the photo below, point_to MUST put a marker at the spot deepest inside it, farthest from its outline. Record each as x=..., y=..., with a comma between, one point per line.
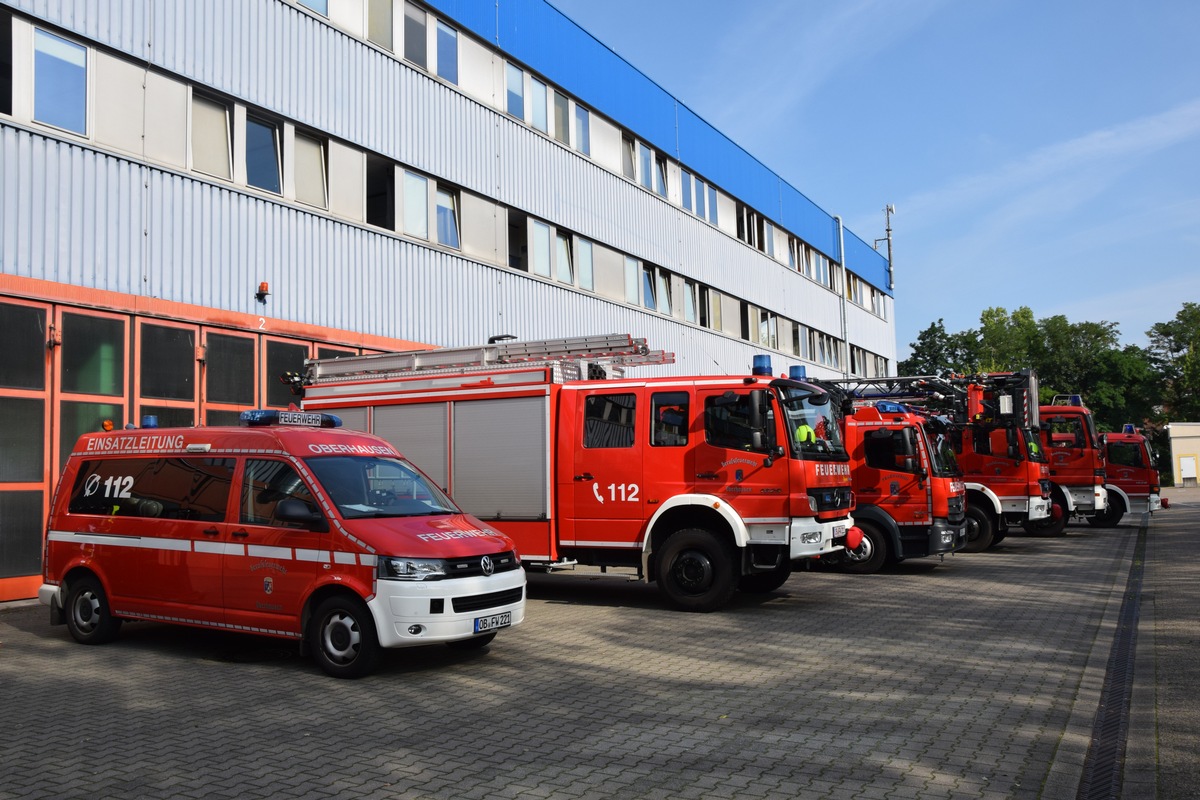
x=490, y=600
x=473, y=565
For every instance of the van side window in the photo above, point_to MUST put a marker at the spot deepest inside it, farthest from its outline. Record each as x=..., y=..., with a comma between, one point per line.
x=669, y=419
x=608, y=420
x=265, y=483
x=169, y=488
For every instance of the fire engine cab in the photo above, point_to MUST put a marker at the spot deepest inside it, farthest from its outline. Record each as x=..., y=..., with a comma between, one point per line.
x=1132, y=474
x=289, y=527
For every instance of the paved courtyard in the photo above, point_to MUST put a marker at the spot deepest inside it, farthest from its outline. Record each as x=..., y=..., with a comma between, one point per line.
x=977, y=677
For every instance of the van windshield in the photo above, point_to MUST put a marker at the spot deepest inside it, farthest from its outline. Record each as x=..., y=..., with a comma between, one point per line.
x=368, y=486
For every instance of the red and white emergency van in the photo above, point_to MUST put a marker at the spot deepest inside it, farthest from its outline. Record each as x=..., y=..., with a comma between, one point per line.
x=289, y=527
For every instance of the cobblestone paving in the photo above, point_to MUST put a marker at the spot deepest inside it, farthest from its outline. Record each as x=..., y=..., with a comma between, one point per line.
x=928, y=680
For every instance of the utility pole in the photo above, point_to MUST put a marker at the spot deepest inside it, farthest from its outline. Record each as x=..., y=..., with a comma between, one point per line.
x=888, y=210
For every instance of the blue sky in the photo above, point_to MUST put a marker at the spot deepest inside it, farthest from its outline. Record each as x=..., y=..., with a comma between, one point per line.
x=1041, y=154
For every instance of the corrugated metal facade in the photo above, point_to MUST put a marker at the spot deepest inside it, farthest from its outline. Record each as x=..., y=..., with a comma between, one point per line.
x=75, y=214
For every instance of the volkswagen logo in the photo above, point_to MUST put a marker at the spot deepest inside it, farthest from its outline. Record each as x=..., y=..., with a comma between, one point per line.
x=486, y=565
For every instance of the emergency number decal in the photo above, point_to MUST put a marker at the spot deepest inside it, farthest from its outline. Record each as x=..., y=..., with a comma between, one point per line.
x=114, y=485
x=618, y=492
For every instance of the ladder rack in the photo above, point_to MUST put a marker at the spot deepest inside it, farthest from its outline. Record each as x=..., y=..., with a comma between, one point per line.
x=610, y=352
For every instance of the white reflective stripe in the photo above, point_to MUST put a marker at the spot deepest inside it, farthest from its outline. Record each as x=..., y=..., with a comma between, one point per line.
x=263, y=551
x=214, y=547
x=766, y=520
x=581, y=543
x=149, y=543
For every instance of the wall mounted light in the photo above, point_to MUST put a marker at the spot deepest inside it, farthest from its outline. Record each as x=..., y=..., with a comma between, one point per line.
x=263, y=290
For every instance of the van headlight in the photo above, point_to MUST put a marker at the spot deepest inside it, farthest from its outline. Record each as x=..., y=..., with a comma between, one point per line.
x=396, y=568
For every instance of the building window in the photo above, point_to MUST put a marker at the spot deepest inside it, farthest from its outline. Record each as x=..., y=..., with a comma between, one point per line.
x=628, y=158
x=447, y=52
x=447, y=217
x=415, y=48
x=262, y=154
x=646, y=166
x=310, y=171
x=685, y=188
x=319, y=6
x=416, y=205
x=5, y=62
x=583, y=130
x=712, y=204
x=381, y=192
x=631, y=280
x=516, y=92
x=537, y=99
x=60, y=82
x=660, y=175
x=700, y=199
x=379, y=22
x=689, y=301
x=541, y=249
x=583, y=257
x=562, y=118
x=648, y=288
x=767, y=245
x=210, y=137
x=663, y=291
x=518, y=238
x=562, y=259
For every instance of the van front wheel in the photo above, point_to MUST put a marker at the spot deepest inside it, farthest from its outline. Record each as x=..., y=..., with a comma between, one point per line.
x=89, y=618
x=342, y=637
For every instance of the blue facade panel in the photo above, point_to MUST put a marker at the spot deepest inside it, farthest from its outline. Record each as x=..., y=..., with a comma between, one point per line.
x=546, y=40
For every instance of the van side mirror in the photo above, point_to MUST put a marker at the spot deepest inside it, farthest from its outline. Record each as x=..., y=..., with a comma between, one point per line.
x=291, y=509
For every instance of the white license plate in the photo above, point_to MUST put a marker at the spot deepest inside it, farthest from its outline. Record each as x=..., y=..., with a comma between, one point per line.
x=493, y=622
x=839, y=531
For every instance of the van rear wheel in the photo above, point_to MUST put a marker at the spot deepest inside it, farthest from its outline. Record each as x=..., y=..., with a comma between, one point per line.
x=342, y=637
x=89, y=618
x=697, y=570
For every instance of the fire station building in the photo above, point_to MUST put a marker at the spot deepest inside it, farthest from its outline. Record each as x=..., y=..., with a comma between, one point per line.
x=198, y=195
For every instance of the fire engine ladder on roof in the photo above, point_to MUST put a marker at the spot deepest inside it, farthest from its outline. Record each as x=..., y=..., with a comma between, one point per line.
x=611, y=352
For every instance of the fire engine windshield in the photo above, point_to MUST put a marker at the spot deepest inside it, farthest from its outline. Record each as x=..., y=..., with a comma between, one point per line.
x=810, y=419
x=941, y=448
x=367, y=486
x=1033, y=445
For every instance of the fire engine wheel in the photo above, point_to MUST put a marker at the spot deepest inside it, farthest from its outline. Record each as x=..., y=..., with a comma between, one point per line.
x=697, y=570
x=89, y=618
x=342, y=637
x=1111, y=516
x=997, y=538
x=870, y=554
x=474, y=643
x=764, y=582
x=981, y=531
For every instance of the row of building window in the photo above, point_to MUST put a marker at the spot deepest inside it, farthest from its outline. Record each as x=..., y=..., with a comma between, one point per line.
x=534, y=246
x=60, y=100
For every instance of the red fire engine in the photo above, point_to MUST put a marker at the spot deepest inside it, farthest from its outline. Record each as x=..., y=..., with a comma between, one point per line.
x=909, y=491
x=1076, y=457
x=694, y=482
x=1132, y=473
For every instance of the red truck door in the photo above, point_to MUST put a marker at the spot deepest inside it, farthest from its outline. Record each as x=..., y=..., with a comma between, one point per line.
x=731, y=465
x=894, y=476
x=607, y=491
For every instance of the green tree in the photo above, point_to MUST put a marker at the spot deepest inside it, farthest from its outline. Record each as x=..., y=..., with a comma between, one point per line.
x=1007, y=342
x=939, y=353
x=1175, y=353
